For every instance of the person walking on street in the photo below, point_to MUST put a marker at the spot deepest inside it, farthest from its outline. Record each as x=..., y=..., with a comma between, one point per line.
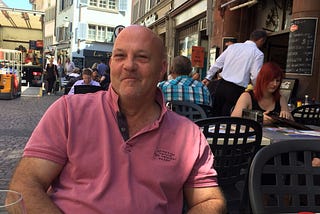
x=51, y=75
x=240, y=64
x=118, y=151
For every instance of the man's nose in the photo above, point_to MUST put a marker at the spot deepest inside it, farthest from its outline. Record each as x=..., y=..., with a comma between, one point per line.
x=130, y=63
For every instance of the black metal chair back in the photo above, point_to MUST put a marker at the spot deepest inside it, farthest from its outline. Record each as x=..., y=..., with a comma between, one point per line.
x=234, y=141
x=188, y=109
x=283, y=180
x=307, y=114
x=207, y=109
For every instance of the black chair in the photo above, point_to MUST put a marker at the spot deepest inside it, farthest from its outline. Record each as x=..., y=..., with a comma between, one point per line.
x=188, y=109
x=234, y=141
x=283, y=180
x=307, y=114
x=207, y=109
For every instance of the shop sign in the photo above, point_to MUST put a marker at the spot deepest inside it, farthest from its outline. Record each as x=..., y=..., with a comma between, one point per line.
x=117, y=30
x=35, y=44
x=197, y=56
x=39, y=43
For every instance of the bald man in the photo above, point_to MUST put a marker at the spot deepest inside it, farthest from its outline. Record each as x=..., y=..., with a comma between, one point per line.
x=118, y=151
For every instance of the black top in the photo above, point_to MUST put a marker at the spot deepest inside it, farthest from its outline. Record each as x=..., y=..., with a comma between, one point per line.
x=255, y=104
x=51, y=71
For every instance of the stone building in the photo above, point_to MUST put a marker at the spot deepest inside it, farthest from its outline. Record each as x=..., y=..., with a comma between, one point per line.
x=292, y=27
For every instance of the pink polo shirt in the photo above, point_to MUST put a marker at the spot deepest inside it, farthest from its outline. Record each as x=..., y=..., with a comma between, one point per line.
x=103, y=173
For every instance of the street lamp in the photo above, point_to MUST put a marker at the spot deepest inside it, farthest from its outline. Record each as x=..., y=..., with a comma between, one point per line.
x=80, y=25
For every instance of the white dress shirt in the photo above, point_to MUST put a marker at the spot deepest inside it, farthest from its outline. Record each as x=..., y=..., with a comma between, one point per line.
x=241, y=62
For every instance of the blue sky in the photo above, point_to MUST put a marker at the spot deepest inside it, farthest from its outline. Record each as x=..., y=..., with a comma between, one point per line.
x=19, y=4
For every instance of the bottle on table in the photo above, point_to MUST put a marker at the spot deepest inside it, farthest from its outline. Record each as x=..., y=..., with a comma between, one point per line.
x=306, y=99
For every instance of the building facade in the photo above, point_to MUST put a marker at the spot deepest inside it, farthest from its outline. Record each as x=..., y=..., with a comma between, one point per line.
x=22, y=30
x=188, y=26
x=82, y=30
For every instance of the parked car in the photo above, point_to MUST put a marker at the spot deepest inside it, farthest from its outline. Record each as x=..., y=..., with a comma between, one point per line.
x=32, y=75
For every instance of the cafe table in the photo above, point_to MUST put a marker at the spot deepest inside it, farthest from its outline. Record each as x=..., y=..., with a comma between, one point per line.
x=276, y=134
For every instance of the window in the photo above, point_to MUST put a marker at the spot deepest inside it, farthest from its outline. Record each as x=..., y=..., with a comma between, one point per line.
x=103, y=3
x=110, y=31
x=93, y=3
x=106, y=4
x=92, y=32
x=65, y=4
x=100, y=33
x=112, y=4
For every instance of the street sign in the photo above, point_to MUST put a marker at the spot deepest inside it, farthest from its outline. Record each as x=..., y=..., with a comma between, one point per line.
x=197, y=56
x=117, y=30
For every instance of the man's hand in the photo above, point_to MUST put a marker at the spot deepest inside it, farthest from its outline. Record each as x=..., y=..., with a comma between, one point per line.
x=206, y=82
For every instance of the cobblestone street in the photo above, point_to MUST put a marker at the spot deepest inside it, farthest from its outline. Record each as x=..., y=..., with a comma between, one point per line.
x=18, y=118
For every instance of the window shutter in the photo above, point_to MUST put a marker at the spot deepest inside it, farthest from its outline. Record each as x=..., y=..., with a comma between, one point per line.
x=123, y=5
x=82, y=31
x=69, y=31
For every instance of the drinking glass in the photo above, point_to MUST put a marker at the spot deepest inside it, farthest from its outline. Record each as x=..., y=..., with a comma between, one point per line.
x=11, y=202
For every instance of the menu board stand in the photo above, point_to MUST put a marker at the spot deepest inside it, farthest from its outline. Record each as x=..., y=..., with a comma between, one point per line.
x=302, y=40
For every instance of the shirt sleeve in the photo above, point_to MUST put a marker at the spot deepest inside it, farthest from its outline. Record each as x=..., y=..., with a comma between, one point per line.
x=203, y=174
x=49, y=139
x=256, y=66
x=217, y=65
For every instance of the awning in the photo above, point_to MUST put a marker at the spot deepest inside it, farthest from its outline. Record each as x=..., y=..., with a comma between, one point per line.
x=11, y=17
x=248, y=3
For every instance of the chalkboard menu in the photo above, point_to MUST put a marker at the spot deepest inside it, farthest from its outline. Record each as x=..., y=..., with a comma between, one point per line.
x=78, y=62
x=302, y=40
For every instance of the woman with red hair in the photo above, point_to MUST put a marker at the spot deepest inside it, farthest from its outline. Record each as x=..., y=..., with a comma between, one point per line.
x=266, y=95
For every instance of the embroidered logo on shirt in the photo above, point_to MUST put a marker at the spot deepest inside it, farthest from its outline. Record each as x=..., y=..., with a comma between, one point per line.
x=164, y=155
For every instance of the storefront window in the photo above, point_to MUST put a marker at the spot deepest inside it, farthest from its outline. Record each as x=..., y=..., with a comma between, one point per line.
x=186, y=43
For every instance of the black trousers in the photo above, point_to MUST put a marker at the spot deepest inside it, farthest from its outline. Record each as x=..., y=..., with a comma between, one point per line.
x=226, y=96
x=50, y=85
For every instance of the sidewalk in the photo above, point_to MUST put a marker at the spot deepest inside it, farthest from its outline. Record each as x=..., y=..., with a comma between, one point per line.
x=18, y=119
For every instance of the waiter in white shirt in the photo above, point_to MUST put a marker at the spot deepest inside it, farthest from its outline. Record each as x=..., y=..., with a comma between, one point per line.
x=241, y=63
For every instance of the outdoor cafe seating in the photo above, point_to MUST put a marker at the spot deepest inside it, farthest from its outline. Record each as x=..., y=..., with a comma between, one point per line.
x=234, y=142
x=307, y=114
x=187, y=109
x=283, y=180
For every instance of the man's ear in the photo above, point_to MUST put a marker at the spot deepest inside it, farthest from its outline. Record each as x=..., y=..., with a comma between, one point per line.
x=163, y=70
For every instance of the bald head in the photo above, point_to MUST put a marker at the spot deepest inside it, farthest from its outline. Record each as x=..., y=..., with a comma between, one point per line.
x=137, y=63
x=136, y=33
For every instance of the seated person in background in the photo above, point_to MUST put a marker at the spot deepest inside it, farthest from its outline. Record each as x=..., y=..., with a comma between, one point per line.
x=95, y=75
x=266, y=95
x=74, y=74
x=86, y=80
x=183, y=87
x=104, y=80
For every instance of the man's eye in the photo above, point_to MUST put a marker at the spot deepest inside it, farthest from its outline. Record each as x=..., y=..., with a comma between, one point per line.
x=143, y=57
x=118, y=56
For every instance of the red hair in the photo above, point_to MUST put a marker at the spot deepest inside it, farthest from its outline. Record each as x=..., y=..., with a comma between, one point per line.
x=268, y=72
